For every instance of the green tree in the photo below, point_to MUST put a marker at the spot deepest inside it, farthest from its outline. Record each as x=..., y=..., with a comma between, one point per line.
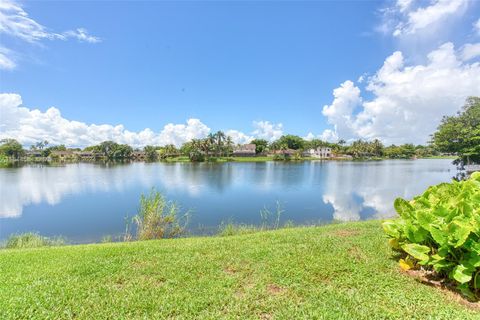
x=229, y=144
x=460, y=134
x=41, y=147
x=197, y=149
x=11, y=148
x=121, y=151
x=291, y=141
x=261, y=145
x=151, y=153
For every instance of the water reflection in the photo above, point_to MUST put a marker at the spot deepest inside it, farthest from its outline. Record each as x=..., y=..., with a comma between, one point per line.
x=359, y=190
x=47, y=198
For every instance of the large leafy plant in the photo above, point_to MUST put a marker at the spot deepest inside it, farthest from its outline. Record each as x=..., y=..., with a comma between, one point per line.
x=440, y=231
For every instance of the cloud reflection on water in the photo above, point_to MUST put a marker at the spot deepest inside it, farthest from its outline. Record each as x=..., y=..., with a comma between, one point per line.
x=350, y=188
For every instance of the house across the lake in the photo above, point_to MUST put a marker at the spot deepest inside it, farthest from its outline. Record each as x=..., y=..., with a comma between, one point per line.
x=88, y=155
x=245, y=150
x=62, y=155
x=139, y=155
x=320, y=152
x=286, y=152
x=33, y=154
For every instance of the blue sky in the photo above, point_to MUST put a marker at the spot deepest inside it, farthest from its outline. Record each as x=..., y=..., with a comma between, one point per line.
x=225, y=63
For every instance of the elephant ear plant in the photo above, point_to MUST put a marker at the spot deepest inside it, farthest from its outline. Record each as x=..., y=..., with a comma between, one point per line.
x=439, y=231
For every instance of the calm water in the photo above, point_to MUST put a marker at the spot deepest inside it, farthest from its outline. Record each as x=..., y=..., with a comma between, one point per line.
x=84, y=202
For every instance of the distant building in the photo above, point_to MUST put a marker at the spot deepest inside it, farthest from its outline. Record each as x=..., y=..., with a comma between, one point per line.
x=62, y=154
x=88, y=155
x=321, y=153
x=33, y=153
x=287, y=152
x=139, y=155
x=245, y=150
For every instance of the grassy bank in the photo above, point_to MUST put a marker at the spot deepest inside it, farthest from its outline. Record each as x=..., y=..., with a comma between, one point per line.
x=341, y=271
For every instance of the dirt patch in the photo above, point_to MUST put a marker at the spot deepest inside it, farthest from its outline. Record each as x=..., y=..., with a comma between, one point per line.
x=265, y=316
x=275, y=290
x=345, y=233
x=432, y=279
x=245, y=287
x=230, y=270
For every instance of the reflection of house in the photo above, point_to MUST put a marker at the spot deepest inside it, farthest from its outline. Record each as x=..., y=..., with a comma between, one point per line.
x=245, y=150
x=323, y=152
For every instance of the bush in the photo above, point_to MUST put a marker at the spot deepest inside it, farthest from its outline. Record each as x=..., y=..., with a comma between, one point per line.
x=32, y=240
x=440, y=231
x=158, y=218
x=196, y=156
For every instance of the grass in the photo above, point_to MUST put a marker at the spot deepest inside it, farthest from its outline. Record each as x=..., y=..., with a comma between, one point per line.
x=340, y=271
x=32, y=240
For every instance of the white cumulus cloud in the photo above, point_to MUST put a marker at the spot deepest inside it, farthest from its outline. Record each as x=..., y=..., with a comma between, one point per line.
x=31, y=125
x=268, y=131
x=327, y=135
x=408, y=17
x=239, y=137
x=408, y=100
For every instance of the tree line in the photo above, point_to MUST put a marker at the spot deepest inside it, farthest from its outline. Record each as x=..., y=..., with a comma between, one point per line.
x=456, y=135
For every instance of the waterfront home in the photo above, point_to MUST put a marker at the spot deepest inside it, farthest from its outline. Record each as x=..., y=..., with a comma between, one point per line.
x=286, y=152
x=88, y=155
x=139, y=155
x=33, y=154
x=62, y=155
x=245, y=150
x=320, y=152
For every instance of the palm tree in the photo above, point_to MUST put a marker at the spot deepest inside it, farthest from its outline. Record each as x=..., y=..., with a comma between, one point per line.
x=220, y=142
x=229, y=145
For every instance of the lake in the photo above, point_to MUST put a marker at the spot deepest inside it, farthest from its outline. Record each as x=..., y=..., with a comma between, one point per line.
x=84, y=202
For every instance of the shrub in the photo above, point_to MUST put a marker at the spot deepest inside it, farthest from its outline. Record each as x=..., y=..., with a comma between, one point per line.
x=32, y=240
x=440, y=231
x=158, y=218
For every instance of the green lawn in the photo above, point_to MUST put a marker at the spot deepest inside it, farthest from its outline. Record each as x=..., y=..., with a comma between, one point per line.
x=340, y=271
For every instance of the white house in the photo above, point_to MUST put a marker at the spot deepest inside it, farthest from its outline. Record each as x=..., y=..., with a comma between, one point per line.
x=321, y=152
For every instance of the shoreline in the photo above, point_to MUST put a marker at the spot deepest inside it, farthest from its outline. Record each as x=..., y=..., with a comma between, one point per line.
x=182, y=159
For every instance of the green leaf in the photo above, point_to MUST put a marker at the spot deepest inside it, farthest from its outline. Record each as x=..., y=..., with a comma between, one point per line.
x=459, y=232
x=425, y=219
x=439, y=236
x=462, y=274
x=417, y=251
x=403, y=208
x=391, y=229
x=475, y=176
